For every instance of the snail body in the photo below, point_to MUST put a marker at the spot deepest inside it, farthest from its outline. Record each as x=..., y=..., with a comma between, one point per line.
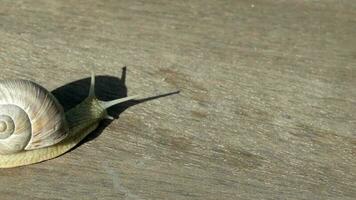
x=34, y=126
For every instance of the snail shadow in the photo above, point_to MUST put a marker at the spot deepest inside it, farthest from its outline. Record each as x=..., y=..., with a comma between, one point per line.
x=106, y=88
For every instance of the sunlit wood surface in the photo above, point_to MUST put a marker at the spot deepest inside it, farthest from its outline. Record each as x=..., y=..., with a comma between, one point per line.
x=266, y=109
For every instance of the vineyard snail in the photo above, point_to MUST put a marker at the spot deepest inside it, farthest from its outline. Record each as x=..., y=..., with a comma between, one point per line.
x=34, y=126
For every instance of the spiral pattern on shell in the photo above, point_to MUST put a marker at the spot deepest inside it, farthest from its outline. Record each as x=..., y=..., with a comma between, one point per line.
x=30, y=117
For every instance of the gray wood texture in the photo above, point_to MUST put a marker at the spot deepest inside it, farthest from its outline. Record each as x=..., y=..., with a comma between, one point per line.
x=266, y=109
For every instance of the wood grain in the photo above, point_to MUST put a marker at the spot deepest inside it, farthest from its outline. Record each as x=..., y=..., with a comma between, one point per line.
x=266, y=109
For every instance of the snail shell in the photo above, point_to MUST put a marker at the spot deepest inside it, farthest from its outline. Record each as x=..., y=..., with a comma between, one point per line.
x=30, y=117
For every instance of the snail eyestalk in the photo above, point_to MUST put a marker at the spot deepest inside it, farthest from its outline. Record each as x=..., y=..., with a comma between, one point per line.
x=108, y=104
x=92, y=85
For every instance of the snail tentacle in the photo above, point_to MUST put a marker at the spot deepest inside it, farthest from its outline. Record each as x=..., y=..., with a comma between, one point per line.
x=92, y=85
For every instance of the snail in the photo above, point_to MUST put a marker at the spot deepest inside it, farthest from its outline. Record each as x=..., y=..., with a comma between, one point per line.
x=34, y=126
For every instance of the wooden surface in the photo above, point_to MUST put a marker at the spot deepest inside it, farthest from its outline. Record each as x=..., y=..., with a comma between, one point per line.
x=266, y=109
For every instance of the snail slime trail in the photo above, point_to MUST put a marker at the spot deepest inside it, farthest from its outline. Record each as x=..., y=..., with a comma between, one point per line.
x=34, y=126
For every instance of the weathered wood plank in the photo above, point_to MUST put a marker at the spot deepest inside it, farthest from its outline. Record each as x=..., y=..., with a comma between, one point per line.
x=267, y=108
